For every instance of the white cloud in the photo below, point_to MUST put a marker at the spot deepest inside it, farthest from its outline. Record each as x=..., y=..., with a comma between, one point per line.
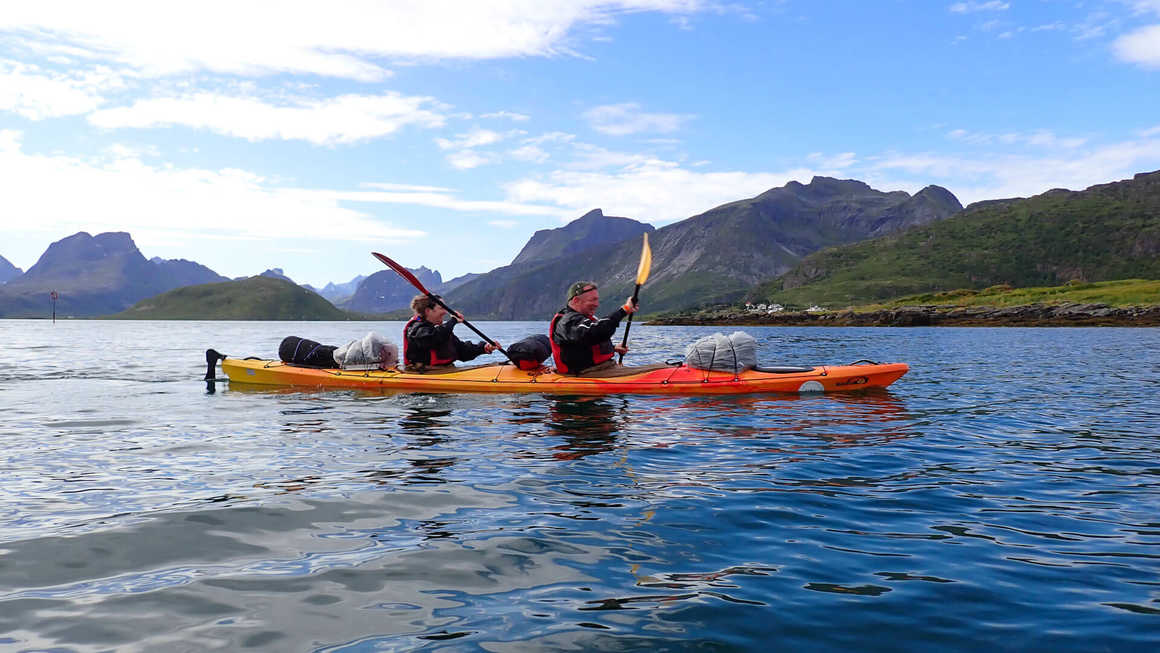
x=444, y=200
x=628, y=118
x=466, y=156
x=10, y=140
x=656, y=191
x=1143, y=6
x=1150, y=132
x=550, y=137
x=122, y=193
x=347, y=40
x=974, y=178
x=529, y=153
x=971, y=7
x=474, y=138
x=503, y=224
x=343, y=119
x=509, y=115
x=405, y=188
x=1140, y=47
x=37, y=94
x=1039, y=138
x=1047, y=138
x=594, y=157
x=833, y=162
x=468, y=159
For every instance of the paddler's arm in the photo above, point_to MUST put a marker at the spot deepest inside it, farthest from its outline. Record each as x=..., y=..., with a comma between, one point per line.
x=466, y=351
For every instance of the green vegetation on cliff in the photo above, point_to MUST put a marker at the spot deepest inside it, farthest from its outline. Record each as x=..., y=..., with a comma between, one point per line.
x=1106, y=232
x=1127, y=292
x=255, y=298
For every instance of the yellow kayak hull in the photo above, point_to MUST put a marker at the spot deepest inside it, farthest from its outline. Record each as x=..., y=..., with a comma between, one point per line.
x=506, y=378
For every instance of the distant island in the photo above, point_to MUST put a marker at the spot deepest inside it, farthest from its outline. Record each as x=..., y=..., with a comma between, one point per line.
x=255, y=298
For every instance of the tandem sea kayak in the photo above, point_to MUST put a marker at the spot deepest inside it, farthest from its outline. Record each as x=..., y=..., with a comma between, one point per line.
x=650, y=379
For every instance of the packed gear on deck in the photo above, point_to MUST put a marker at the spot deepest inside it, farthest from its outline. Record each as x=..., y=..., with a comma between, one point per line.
x=732, y=353
x=300, y=351
x=370, y=352
x=426, y=344
x=531, y=352
x=582, y=341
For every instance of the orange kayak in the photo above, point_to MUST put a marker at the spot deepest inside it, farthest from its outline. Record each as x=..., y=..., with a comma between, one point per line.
x=658, y=380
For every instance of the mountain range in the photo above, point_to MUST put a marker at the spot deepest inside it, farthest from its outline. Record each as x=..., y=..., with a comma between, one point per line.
x=716, y=256
x=96, y=275
x=335, y=293
x=831, y=241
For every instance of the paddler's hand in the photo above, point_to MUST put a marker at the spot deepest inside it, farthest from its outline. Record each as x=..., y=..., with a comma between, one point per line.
x=457, y=315
x=488, y=347
x=620, y=349
x=630, y=306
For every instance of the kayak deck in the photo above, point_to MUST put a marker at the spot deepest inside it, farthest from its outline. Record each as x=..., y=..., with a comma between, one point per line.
x=506, y=378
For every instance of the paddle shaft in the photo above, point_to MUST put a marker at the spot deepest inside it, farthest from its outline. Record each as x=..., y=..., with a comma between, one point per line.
x=471, y=326
x=406, y=274
x=628, y=325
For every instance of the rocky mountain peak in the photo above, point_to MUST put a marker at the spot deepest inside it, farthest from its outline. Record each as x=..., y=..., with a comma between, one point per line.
x=75, y=256
x=832, y=186
x=276, y=273
x=8, y=271
x=593, y=229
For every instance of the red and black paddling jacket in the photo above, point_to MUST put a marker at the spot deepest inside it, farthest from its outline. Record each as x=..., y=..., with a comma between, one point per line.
x=428, y=344
x=580, y=341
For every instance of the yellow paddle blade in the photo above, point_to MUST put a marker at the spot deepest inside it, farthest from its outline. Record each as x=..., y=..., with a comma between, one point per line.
x=645, y=263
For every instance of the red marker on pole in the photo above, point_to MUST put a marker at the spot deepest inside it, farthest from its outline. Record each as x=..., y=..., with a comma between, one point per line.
x=54, y=296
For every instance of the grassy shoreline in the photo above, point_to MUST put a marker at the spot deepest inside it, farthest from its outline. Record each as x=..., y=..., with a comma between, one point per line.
x=1130, y=302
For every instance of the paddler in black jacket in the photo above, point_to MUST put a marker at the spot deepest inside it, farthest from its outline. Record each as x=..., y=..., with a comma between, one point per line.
x=580, y=342
x=428, y=341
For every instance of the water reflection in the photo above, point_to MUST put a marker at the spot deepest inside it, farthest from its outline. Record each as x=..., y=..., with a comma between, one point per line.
x=586, y=425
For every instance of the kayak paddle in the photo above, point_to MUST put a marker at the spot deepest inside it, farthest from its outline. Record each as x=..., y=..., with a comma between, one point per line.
x=642, y=271
x=406, y=274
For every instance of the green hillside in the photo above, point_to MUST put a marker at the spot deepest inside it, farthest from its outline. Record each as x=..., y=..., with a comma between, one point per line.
x=1126, y=292
x=1106, y=232
x=255, y=298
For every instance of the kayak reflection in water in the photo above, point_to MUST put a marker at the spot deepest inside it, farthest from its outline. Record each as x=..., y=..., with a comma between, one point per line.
x=581, y=343
x=428, y=341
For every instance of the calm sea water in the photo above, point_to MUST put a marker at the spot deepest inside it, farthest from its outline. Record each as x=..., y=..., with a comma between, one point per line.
x=1005, y=494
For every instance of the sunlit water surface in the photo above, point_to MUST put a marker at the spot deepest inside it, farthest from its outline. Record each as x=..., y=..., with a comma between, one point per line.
x=1005, y=494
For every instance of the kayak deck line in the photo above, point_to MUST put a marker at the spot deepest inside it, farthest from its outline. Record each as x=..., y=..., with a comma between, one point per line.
x=503, y=377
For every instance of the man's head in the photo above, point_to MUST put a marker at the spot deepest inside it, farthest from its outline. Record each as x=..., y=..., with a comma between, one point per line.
x=426, y=307
x=584, y=297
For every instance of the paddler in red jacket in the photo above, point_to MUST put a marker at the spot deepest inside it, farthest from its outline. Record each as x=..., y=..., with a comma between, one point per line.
x=582, y=343
x=428, y=341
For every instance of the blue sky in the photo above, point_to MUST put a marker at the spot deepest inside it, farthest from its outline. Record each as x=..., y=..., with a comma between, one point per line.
x=303, y=135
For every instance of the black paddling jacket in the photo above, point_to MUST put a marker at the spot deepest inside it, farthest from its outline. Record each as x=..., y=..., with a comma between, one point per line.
x=428, y=344
x=580, y=341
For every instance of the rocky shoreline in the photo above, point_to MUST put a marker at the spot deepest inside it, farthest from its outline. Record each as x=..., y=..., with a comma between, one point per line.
x=1033, y=315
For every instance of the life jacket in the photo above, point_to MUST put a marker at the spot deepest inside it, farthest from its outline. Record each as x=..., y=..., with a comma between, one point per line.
x=441, y=355
x=581, y=357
